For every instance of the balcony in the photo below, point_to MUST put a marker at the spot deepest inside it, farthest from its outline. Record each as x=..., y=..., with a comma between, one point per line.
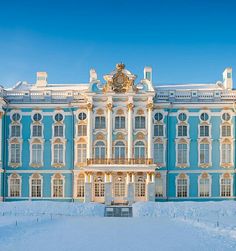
x=143, y=161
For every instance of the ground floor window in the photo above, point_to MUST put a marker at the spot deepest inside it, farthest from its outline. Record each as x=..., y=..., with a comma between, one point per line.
x=119, y=187
x=225, y=186
x=36, y=187
x=204, y=187
x=140, y=187
x=159, y=187
x=80, y=186
x=57, y=186
x=182, y=186
x=99, y=187
x=14, y=185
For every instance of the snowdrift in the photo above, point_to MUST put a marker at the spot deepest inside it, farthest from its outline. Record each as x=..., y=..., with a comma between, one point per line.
x=51, y=208
x=184, y=209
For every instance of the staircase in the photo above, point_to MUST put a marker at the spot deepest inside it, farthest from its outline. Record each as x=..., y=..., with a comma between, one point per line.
x=118, y=211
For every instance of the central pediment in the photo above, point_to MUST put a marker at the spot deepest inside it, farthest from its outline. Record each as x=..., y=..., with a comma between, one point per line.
x=120, y=80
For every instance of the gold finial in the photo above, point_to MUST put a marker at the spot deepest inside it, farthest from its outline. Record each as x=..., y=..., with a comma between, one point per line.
x=120, y=66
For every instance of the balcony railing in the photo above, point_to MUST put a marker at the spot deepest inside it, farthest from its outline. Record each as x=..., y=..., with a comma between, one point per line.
x=142, y=161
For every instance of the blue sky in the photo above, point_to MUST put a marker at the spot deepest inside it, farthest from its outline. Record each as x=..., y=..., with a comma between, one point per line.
x=183, y=40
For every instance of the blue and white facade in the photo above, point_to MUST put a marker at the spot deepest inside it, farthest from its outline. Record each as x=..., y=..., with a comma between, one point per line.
x=118, y=141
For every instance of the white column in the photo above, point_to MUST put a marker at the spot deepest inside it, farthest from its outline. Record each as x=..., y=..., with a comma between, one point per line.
x=150, y=137
x=109, y=131
x=130, y=129
x=89, y=130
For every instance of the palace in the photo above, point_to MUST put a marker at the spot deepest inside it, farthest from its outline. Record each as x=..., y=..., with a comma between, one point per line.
x=117, y=141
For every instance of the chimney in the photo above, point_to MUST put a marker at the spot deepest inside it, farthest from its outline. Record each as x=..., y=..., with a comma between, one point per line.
x=148, y=73
x=227, y=78
x=41, y=79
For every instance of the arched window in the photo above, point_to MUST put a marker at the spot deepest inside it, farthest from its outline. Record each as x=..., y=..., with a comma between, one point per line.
x=81, y=153
x=36, y=185
x=57, y=186
x=140, y=122
x=119, y=122
x=119, y=150
x=119, y=186
x=80, y=186
x=139, y=150
x=100, y=150
x=14, y=185
x=182, y=186
x=140, y=187
x=99, y=187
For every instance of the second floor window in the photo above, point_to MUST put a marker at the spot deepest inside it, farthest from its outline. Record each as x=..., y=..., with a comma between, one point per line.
x=100, y=122
x=119, y=150
x=158, y=153
x=81, y=153
x=82, y=130
x=226, y=131
x=182, y=131
x=139, y=150
x=37, y=154
x=182, y=154
x=58, y=130
x=204, y=153
x=226, y=153
x=204, y=131
x=15, y=131
x=119, y=122
x=58, y=154
x=37, y=131
x=100, y=150
x=158, y=130
x=139, y=122
x=15, y=153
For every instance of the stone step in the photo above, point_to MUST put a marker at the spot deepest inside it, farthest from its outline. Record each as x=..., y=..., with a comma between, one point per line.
x=118, y=211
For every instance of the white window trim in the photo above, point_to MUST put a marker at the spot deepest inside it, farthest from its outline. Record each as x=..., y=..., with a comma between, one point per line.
x=182, y=124
x=176, y=186
x=63, y=189
x=11, y=141
x=31, y=142
x=8, y=180
x=76, y=142
x=204, y=124
x=210, y=185
x=232, y=185
x=201, y=141
x=164, y=129
x=30, y=186
x=161, y=141
x=178, y=141
x=54, y=142
x=31, y=129
x=10, y=129
x=232, y=153
x=231, y=127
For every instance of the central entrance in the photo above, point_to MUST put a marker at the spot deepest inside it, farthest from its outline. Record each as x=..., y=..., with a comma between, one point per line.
x=119, y=189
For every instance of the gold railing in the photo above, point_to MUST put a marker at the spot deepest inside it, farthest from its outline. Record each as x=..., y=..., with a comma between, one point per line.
x=141, y=161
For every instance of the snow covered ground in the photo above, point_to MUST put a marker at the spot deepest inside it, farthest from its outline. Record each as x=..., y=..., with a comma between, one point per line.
x=155, y=226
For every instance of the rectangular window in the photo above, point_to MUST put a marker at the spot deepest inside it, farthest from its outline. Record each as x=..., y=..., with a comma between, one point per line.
x=80, y=187
x=226, y=131
x=36, y=185
x=159, y=187
x=182, y=188
x=37, y=154
x=15, y=153
x=204, y=154
x=225, y=187
x=204, y=131
x=82, y=130
x=140, y=122
x=158, y=130
x=120, y=122
x=37, y=131
x=226, y=153
x=81, y=153
x=58, y=154
x=100, y=122
x=58, y=131
x=15, y=187
x=15, y=131
x=182, y=131
x=182, y=154
x=158, y=153
x=57, y=188
x=204, y=189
